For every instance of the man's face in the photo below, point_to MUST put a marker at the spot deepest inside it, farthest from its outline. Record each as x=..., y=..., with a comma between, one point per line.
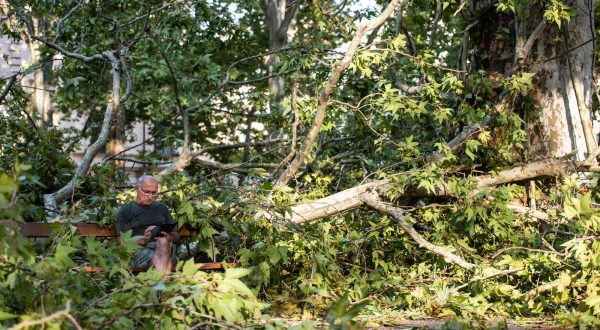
x=146, y=192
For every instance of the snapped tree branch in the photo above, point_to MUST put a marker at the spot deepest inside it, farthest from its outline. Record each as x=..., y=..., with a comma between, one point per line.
x=323, y=100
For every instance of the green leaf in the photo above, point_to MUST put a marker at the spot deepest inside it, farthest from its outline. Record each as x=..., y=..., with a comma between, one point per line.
x=190, y=268
x=233, y=273
x=62, y=254
x=7, y=316
x=237, y=286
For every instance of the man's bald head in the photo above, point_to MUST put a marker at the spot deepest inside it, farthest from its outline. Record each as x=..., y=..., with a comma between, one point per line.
x=146, y=178
x=147, y=190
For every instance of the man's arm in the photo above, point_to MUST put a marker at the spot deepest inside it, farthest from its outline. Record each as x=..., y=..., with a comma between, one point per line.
x=175, y=237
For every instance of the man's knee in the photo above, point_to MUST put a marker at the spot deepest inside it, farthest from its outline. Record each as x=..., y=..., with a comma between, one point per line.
x=163, y=244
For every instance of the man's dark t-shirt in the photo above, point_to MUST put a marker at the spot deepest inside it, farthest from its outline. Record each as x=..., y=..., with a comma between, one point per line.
x=139, y=217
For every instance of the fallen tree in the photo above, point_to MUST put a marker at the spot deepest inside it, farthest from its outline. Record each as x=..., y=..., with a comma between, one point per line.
x=353, y=197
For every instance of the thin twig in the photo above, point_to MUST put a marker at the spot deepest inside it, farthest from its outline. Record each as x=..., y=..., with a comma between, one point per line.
x=56, y=315
x=60, y=22
x=67, y=53
x=478, y=279
x=501, y=251
x=9, y=85
x=225, y=81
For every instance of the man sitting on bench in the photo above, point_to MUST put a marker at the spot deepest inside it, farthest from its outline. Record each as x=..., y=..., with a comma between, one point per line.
x=151, y=219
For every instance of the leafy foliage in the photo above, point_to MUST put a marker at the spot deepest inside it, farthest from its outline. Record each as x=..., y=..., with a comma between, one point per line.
x=400, y=101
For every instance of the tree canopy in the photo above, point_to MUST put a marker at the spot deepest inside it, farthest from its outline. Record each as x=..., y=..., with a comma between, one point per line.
x=365, y=163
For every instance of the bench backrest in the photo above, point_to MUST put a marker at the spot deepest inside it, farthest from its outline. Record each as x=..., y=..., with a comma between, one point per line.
x=34, y=229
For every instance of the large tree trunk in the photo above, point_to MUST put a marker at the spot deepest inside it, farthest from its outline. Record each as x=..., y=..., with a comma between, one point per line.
x=40, y=96
x=280, y=18
x=562, y=61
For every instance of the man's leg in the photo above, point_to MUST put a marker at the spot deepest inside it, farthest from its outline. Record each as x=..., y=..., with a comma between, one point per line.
x=161, y=259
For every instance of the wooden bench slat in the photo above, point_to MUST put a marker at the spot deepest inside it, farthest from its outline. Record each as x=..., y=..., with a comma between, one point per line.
x=203, y=266
x=34, y=229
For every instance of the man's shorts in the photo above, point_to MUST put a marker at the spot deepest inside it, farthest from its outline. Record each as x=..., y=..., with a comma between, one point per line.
x=142, y=258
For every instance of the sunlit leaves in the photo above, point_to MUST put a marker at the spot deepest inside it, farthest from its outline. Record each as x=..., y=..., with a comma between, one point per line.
x=558, y=12
x=581, y=209
x=514, y=6
x=521, y=84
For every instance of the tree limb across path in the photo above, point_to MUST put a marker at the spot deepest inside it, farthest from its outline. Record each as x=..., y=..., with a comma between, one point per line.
x=353, y=197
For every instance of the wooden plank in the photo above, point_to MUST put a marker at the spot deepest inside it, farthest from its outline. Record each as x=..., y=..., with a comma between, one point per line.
x=37, y=229
x=92, y=229
x=202, y=266
x=34, y=229
x=216, y=265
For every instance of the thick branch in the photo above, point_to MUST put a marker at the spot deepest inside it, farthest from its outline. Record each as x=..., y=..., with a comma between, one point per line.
x=128, y=81
x=523, y=52
x=186, y=159
x=51, y=200
x=436, y=20
x=372, y=199
x=352, y=198
x=528, y=211
x=323, y=101
x=542, y=288
x=290, y=13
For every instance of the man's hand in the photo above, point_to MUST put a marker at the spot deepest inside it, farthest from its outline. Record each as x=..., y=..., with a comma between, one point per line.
x=166, y=236
x=147, y=236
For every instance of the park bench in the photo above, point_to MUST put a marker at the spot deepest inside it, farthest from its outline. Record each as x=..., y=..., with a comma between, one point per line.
x=44, y=230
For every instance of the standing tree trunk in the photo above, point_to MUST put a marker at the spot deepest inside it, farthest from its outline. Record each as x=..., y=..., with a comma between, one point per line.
x=40, y=96
x=280, y=16
x=563, y=61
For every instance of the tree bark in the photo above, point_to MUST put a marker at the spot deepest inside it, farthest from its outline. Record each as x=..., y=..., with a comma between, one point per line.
x=40, y=96
x=280, y=16
x=562, y=91
x=51, y=200
x=353, y=198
